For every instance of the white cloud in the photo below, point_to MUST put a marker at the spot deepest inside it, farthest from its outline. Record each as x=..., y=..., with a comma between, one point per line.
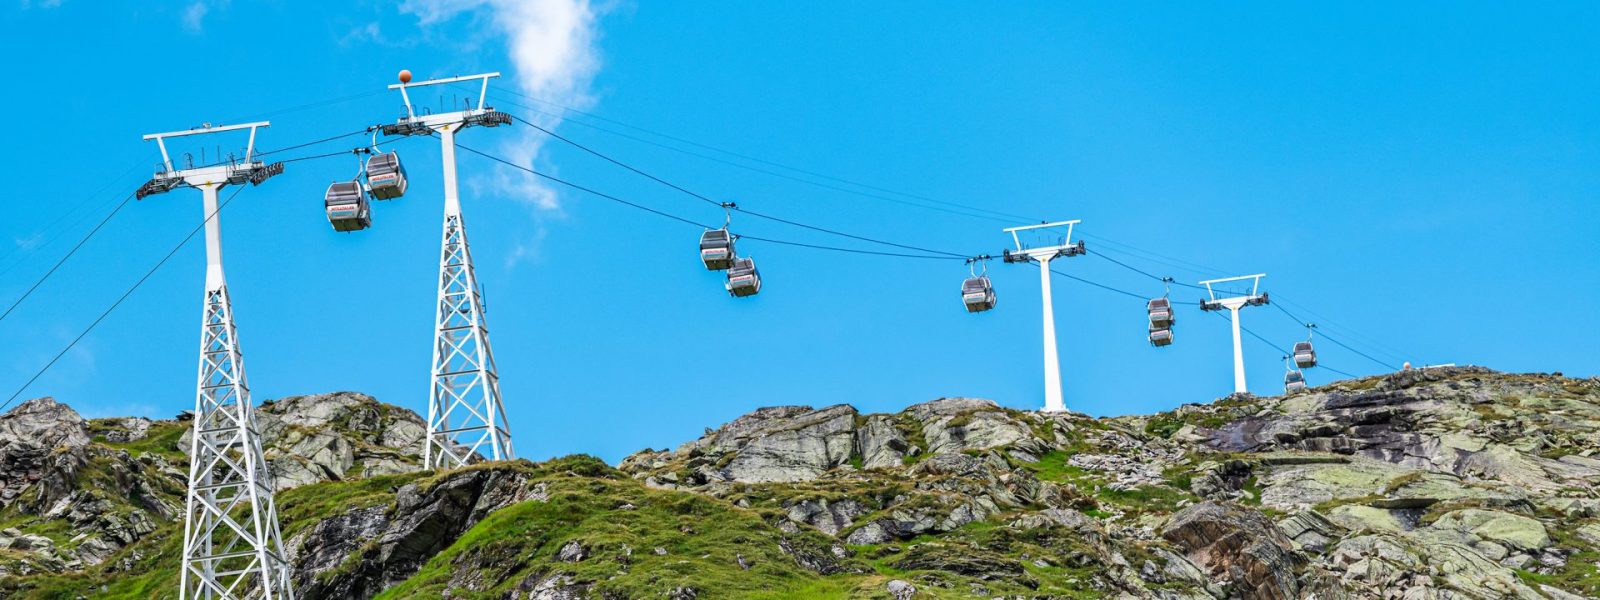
x=194, y=17
x=552, y=45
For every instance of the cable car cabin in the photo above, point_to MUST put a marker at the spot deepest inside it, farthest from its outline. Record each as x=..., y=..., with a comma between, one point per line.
x=977, y=293
x=743, y=278
x=1160, y=310
x=1304, y=356
x=1160, y=336
x=716, y=249
x=386, y=177
x=347, y=206
x=1293, y=381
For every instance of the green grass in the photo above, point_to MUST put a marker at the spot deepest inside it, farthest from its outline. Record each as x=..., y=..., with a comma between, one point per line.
x=1163, y=425
x=304, y=506
x=702, y=536
x=1581, y=574
x=162, y=439
x=1053, y=466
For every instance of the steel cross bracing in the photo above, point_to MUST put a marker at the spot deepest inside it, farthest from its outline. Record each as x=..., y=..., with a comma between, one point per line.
x=232, y=547
x=466, y=417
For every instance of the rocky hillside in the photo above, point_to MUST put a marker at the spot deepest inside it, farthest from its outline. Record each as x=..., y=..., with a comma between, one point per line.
x=1445, y=483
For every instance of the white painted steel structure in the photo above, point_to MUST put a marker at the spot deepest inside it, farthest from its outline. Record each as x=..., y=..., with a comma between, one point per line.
x=1043, y=255
x=1233, y=304
x=232, y=547
x=466, y=417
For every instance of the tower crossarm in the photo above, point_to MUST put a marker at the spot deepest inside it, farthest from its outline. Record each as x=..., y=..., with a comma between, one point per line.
x=480, y=114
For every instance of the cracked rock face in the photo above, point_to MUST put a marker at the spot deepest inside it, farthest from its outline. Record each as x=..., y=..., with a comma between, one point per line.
x=1444, y=484
x=786, y=443
x=30, y=437
x=380, y=546
x=329, y=437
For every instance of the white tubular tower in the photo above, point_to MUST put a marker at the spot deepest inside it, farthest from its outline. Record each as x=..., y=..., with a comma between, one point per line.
x=466, y=418
x=232, y=547
x=1043, y=255
x=1233, y=304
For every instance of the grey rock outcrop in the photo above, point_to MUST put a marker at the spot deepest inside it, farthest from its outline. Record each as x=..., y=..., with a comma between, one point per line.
x=880, y=444
x=33, y=438
x=1237, y=545
x=789, y=443
x=377, y=547
x=328, y=437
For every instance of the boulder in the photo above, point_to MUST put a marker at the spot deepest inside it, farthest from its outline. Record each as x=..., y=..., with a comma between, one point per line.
x=828, y=517
x=880, y=444
x=1240, y=545
x=34, y=436
x=1509, y=529
x=797, y=448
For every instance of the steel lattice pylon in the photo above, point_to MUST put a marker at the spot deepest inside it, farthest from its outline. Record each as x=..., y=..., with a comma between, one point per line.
x=231, y=544
x=232, y=548
x=466, y=419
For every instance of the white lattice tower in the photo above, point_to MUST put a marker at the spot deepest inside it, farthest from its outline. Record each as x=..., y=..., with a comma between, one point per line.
x=232, y=547
x=466, y=417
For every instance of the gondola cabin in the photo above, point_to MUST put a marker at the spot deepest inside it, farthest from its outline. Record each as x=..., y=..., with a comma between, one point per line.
x=1305, y=356
x=716, y=249
x=1160, y=336
x=386, y=177
x=1160, y=312
x=347, y=206
x=1294, y=381
x=743, y=278
x=977, y=293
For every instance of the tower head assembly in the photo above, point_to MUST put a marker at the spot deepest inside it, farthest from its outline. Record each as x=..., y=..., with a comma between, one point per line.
x=425, y=124
x=232, y=171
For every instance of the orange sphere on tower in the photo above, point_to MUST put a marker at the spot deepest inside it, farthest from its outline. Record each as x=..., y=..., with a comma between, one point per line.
x=405, y=76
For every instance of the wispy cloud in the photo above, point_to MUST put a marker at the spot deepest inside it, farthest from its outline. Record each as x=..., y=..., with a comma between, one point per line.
x=30, y=242
x=552, y=45
x=194, y=16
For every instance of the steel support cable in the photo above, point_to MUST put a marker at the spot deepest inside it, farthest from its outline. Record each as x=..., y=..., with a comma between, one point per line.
x=852, y=250
x=716, y=203
x=1326, y=323
x=1146, y=273
x=1170, y=261
x=59, y=219
x=1332, y=339
x=1269, y=343
x=319, y=103
x=852, y=236
x=124, y=297
x=96, y=230
x=824, y=230
x=314, y=142
x=1098, y=285
x=68, y=255
x=763, y=171
x=677, y=218
x=765, y=162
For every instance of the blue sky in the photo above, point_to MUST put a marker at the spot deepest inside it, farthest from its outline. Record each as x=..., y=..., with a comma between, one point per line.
x=1420, y=180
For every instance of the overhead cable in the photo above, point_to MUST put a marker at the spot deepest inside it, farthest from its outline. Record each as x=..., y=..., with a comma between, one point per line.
x=122, y=298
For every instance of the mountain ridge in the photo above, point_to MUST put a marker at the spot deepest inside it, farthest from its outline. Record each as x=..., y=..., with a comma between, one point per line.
x=1438, y=483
